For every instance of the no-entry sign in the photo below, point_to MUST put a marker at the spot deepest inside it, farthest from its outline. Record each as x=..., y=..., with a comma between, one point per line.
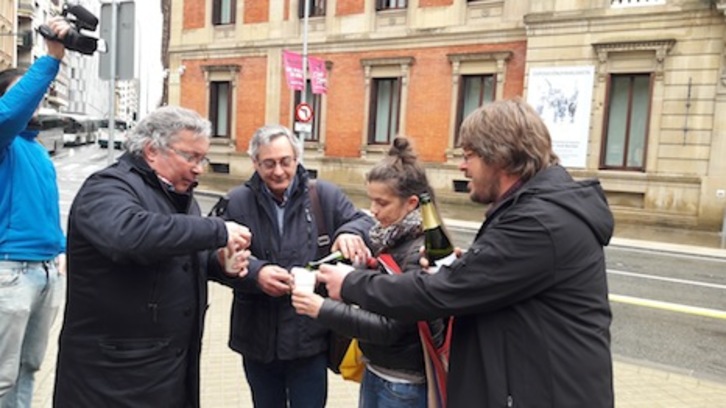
x=303, y=112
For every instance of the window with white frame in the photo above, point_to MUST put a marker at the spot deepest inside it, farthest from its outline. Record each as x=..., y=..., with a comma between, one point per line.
x=626, y=121
x=475, y=91
x=315, y=101
x=220, y=107
x=386, y=90
x=391, y=4
x=476, y=79
x=385, y=110
x=316, y=8
x=223, y=11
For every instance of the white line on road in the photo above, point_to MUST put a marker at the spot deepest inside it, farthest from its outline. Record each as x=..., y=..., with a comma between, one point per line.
x=664, y=279
x=672, y=307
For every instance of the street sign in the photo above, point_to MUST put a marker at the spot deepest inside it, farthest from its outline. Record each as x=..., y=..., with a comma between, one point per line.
x=303, y=112
x=303, y=127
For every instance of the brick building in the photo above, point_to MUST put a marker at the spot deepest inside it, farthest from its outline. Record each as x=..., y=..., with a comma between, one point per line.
x=633, y=90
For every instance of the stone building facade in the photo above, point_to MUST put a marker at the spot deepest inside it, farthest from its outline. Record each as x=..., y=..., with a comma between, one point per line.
x=634, y=91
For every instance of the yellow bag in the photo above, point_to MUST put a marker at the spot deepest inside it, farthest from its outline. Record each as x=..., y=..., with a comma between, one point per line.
x=352, y=366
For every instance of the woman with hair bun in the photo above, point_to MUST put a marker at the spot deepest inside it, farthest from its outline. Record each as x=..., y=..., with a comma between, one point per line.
x=395, y=373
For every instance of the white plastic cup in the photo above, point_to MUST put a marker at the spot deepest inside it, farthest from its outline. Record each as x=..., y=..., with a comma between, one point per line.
x=230, y=260
x=304, y=279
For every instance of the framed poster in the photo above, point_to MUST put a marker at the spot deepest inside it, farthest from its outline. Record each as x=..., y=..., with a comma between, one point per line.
x=563, y=98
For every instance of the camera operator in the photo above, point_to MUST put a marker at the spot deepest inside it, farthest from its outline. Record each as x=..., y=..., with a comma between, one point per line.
x=32, y=263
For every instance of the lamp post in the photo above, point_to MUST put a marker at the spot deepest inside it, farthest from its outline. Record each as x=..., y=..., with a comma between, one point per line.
x=303, y=95
x=112, y=82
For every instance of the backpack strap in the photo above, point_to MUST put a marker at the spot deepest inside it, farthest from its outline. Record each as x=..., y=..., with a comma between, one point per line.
x=219, y=207
x=324, y=241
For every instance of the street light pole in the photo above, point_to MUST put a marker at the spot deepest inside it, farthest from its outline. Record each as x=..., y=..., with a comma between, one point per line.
x=112, y=83
x=303, y=96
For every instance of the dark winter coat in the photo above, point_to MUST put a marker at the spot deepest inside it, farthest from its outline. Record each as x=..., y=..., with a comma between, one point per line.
x=385, y=342
x=137, y=257
x=530, y=297
x=266, y=328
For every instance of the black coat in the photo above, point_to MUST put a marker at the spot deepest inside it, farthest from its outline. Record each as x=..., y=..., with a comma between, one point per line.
x=266, y=328
x=138, y=255
x=530, y=297
x=385, y=342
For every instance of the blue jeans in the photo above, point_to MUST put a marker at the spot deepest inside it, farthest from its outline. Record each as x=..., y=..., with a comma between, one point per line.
x=303, y=381
x=376, y=392
x=30, y=295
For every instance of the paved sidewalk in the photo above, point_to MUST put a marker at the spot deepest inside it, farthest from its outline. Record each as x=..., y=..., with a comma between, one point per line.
x=637, y=385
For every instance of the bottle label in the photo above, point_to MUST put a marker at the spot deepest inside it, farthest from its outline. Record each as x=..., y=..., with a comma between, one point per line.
x=445, y=261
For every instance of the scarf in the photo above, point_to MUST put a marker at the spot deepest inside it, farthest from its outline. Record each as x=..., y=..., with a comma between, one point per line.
x=387, y=237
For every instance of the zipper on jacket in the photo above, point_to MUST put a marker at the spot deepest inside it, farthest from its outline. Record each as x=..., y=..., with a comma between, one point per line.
x=153, y=304
x=154, y=307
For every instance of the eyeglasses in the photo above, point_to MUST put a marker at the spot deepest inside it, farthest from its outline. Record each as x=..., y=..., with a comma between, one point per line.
x=468, y=156
x=190, y=158
x=270, y=164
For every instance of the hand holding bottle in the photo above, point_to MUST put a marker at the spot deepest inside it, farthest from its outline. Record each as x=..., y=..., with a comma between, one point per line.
x=426, y=265
x=333, y=276
x=352, y=247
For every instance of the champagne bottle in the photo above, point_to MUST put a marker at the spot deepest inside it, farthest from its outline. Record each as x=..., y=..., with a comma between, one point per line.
x=437, y=243
x=332, y=258
x=336, y=257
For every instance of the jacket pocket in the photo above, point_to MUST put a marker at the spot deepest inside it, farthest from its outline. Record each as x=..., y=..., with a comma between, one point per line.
x=132, y=349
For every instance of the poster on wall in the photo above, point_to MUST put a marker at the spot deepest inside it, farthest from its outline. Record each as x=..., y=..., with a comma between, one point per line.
x=563, y=98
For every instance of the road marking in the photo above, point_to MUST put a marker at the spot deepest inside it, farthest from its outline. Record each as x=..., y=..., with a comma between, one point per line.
x=671, y=307
x=664, y=279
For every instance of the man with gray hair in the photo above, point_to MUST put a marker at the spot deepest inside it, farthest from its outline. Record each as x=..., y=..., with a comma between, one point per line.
x=283, y=352
x=139, y=255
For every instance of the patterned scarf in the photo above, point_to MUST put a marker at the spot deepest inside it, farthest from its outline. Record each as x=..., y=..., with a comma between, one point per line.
x=386, y=237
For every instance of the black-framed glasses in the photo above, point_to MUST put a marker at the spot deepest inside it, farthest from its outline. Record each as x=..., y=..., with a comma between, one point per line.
x=190, y=158
x=270, y=164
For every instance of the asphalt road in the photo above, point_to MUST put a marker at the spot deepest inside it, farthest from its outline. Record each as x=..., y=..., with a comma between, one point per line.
x=668, y=309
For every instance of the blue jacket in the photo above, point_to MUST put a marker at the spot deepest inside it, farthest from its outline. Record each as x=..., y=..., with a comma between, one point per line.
x=30, y=228
x=266, y=328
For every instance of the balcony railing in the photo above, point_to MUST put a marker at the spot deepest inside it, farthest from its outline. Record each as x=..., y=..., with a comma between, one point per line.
x=635, y=3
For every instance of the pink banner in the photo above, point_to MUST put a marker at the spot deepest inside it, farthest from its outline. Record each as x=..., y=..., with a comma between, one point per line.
x=293, y=70
x=318, y=75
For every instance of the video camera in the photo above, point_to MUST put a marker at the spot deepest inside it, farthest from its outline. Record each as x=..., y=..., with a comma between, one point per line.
x=80, y=19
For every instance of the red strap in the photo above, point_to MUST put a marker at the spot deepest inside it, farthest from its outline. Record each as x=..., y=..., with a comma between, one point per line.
x=439, y=356
x=389, y=263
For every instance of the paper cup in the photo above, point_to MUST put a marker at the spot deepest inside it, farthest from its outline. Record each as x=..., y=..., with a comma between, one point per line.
x=304, y=279
x=229, y=261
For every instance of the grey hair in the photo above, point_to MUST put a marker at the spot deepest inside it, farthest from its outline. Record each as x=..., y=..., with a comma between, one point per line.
x=161, y=127
x=266, y=134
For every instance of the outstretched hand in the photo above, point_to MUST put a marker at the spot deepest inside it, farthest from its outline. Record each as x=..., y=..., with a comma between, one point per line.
x=333, y=277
